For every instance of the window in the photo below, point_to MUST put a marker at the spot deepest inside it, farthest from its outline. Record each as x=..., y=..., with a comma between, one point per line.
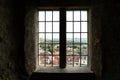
x=63, y=37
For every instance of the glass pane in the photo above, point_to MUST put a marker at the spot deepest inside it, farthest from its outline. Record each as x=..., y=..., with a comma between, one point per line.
x=76, y=37
x=76, y=60
x=69, y=49
x=69, y=38
x=83, y=37
x=83, y=26
x=48, y=37
x=48, y=26
x=84, y=15
x=42, y=60
x=41, y=27
x=41, y=15
x=48, y=60
x=84, y=60
x=69, y=26
x=56, y=49
x=76, y=26
x=56, y=16
x=48, y=15
x=69, y=15
x=55, y=26
x=69, y=60
x=49, y=48
x=76, y=15
x=41, y=37
x=39, y=62
x=84, y=49
x=55, y=37
x=41, y=49
x=55, y=60
x=76, y=49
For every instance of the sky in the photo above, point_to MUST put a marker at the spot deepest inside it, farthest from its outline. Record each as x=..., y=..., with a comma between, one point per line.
x=70, y=17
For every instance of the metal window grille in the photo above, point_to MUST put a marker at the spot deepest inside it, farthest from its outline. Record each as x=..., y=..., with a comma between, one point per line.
x=63, y=38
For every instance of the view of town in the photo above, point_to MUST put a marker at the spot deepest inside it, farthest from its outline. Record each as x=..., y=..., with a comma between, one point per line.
x=49, y=52
x=76, y=35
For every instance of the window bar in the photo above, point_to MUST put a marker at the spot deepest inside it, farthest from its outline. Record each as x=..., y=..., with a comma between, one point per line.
x=80, y=38
x=88, y=38
x=52, y=38
x=62, y=38
x=73, y=38
x=45, y=42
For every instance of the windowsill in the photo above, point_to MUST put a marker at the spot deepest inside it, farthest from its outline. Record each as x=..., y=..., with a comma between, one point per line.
x=64, y=70
x=69, y=73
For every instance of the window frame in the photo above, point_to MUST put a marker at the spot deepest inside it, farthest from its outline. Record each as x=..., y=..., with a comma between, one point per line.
x=89, y=32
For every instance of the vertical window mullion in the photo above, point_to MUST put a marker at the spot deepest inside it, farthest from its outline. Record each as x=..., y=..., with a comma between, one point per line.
x=62, y=38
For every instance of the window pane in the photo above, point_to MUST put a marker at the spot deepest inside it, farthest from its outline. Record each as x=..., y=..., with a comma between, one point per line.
x=69, y=38
x=84, y=49
x=83, y=26
x=84, y=60
x=83, y=37
x=56, y=49
x=48, y=26
x=55, y=26
x=69, y=26
x=48, y=60
x=41, y=27
x=41, y=15
x=55, y=60
x=84, y=15
x=76, y=37
x=56, y=38
x=49, y=47
x=69, y=49
x=41, y=54
x=41, y=60
x=56, y=16
x=41, y=49
x=69, y=60
x=76, y=26
x=76, y=60
x=69, y=15
x=76, y=49
x=48, y=15
x=76, y=15
x=41, y=37
x=48, y=37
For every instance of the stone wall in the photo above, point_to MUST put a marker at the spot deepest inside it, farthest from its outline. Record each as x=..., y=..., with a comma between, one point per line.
x=111, y=40
x=30, y=34
x=11, y=41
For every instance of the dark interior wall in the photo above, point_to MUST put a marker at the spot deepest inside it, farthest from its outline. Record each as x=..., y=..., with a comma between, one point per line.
x=111, y=40
x=96, y=25
x=30, y=21
x=106, y=39
x=12, y=40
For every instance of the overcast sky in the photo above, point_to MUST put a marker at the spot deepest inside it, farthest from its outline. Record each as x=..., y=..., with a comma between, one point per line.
x=71, y=16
